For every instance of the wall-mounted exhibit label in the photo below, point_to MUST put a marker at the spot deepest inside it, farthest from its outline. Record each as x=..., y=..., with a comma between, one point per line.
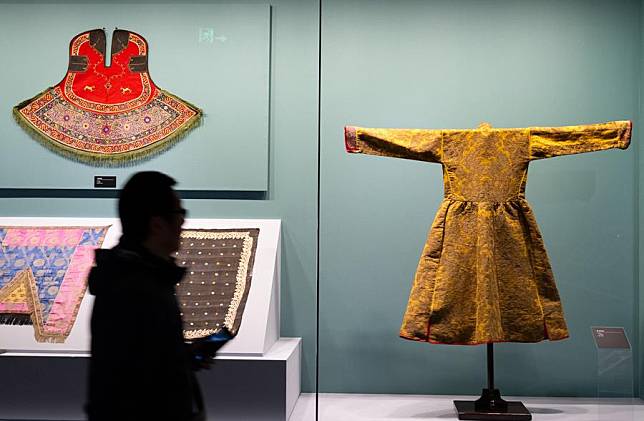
x=610, y=337
x=105, y=181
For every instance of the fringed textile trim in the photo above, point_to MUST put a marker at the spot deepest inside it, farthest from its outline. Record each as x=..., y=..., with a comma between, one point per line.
x=15, y=319
x=124, y=159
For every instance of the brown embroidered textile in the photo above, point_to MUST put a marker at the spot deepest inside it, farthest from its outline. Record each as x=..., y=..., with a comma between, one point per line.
x=484, y=275
x=220, y=266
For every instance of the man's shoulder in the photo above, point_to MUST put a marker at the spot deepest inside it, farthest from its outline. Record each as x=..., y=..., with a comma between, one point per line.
x=120, y=269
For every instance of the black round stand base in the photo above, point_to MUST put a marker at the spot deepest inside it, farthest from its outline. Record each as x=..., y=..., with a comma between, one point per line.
x=509, y=411
x=490, y=400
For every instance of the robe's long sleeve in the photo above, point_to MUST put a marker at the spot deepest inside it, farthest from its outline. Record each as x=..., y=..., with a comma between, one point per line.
x=546, y=142
x=418, y=144
x=484, y=274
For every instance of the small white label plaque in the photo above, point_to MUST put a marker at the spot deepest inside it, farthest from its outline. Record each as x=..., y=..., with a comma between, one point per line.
x=610, y=337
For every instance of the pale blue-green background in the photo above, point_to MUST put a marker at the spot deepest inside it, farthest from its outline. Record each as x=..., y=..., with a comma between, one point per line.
x=228, y=78
x=639, y=206
x=453, y=64
x=292, y=173
x=437, y=64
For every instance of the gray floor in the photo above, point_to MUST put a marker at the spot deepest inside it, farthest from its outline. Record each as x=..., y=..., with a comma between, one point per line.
x=345, y=407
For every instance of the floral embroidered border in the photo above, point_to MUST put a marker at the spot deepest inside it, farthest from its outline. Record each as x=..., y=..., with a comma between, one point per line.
x=96, y=136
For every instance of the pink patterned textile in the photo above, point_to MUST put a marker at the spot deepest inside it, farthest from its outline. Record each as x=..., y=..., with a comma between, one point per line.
x=43, y=272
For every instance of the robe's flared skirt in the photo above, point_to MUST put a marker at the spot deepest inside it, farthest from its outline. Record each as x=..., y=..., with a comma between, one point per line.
x=483, y=277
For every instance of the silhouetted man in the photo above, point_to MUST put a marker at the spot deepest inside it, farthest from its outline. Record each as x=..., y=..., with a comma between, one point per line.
x=140, y=368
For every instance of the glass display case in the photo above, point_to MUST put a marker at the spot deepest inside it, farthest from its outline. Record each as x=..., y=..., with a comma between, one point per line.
x=417, y=271
x=414, y=246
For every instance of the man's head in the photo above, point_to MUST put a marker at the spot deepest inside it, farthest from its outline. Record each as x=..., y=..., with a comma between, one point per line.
x=151, y=212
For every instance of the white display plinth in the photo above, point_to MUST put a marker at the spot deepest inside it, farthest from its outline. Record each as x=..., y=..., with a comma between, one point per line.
x=260, y=323
x=254, y=388
x=256, y=376
x=250, y=388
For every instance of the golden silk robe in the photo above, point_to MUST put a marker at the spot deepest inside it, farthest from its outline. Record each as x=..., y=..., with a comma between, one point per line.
x=484, y=274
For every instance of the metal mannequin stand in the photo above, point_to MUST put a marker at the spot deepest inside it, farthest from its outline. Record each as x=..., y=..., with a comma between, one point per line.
x=490, y=406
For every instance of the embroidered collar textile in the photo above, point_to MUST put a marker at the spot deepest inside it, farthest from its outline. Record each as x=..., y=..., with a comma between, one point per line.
x=219, y=265
x=43, y=272
x=107, y=114
x=484, y=275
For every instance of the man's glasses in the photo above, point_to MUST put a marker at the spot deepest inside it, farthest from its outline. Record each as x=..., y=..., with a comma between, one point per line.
x=181, y=211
